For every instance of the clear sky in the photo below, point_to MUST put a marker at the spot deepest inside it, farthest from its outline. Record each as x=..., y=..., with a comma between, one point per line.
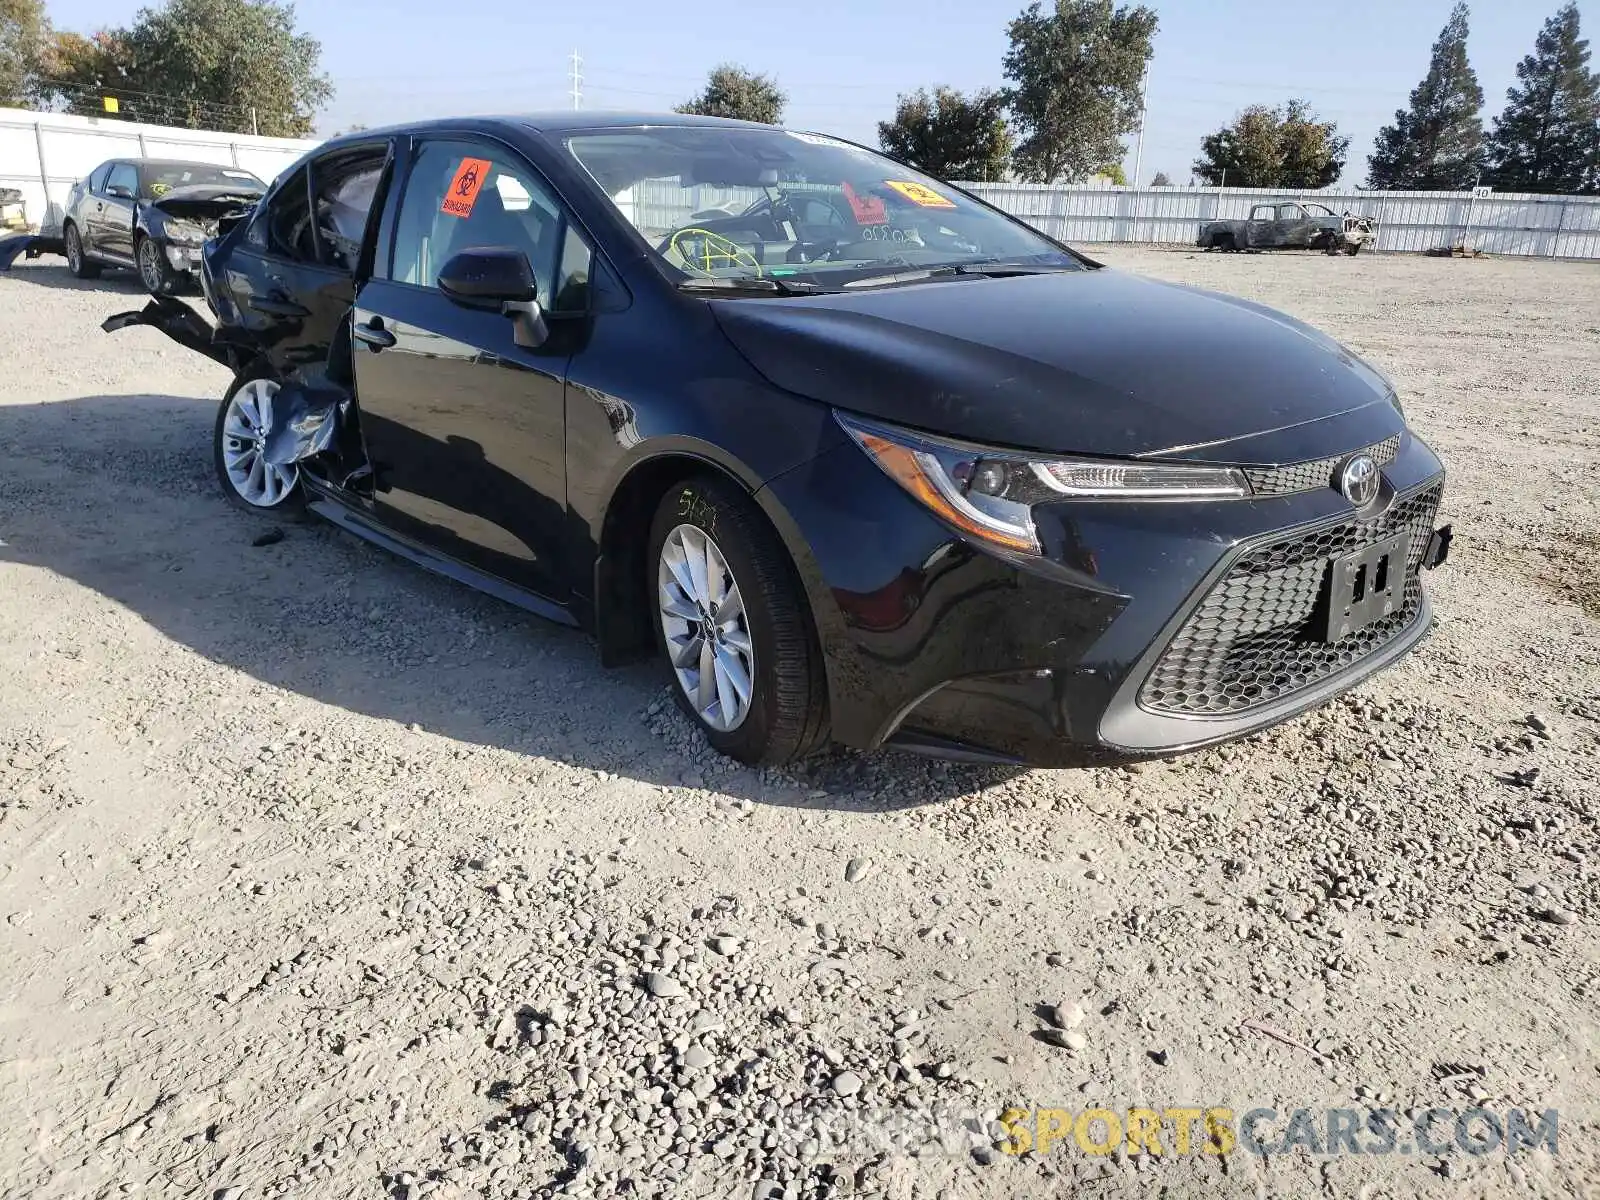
x=842, y=62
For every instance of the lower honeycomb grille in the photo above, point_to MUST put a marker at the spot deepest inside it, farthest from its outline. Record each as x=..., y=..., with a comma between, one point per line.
x=1255, y=638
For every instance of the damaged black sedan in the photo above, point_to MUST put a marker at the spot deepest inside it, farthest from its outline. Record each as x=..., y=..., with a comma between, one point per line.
x=152, y=215
x=858, y=456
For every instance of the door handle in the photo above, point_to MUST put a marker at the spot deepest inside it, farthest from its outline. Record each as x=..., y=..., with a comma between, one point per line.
x=374, y=334
x=275, y=307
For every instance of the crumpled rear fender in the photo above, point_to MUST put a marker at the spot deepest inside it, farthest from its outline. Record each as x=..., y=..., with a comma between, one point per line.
x=186, y=327
x=28, y=245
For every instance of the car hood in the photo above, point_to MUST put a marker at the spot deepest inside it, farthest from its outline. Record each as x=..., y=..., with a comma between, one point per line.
x=206, y=200
x=1091, y=362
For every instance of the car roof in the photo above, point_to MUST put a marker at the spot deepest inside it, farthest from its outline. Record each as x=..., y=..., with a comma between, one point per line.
x=556, y=121
x=176, y=162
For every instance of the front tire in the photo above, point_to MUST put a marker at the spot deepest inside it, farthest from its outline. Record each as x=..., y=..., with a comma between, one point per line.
x=77, y=260
x=1353, y=249
x=248, y=480
x=158, y=278
x=732, y=623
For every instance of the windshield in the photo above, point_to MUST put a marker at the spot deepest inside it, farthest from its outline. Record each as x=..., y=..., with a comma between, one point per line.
x=157, y=179
x=735, y=204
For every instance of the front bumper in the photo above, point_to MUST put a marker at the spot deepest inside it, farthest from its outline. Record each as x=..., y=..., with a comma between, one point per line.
x=185, y=259
x=936, y=645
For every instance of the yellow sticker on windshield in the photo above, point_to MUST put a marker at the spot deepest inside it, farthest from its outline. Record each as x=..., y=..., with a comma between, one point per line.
x=919, y=194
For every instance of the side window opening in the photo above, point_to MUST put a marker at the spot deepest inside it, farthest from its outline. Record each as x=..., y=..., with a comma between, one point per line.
x=97, y=181
x=1262, y=212
x=344, y=189
x=465, y=195
x=286, y=222
x=123, y=175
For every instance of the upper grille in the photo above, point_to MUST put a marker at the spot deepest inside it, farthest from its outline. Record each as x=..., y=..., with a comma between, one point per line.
x=1308, y=476
x=1253, y=639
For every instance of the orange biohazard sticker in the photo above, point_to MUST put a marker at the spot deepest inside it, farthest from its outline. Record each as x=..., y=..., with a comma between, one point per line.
x=464, y=188
x=868, y=210
x=919, y=194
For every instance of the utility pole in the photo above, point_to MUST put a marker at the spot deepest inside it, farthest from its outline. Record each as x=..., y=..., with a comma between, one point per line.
x=577, y=80
x=1138, y=154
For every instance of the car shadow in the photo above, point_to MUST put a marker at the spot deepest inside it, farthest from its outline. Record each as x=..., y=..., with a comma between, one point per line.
x=52, y=272
x=118, y=494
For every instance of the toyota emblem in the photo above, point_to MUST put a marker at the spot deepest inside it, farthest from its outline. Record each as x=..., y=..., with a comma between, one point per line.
x=1358, y=480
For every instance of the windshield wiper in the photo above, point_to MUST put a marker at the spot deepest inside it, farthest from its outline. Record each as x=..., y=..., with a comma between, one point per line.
x=984, y=268
x=750, y=283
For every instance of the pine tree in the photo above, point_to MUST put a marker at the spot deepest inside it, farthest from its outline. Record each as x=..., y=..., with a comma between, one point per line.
x=1436, y=145
x=1548, y=137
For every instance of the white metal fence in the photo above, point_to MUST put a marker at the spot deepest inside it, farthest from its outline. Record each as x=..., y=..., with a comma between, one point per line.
x=1531, y=225
x=44, y=154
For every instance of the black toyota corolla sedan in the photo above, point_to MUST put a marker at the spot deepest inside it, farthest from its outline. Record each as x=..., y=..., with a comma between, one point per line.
x=859, y=456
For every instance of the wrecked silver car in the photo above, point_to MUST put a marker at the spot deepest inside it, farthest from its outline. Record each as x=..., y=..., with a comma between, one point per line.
x=1290, y=225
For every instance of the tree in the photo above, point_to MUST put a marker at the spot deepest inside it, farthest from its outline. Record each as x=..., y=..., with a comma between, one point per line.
x=1548, y=137
x=1161, y=180
x=1436, y=145
x=949, y=135
x=238, y=66
x=81, y=71
x=1285, y=147
x=1113, y=174
x=732, y=91
x=23, y=34
x=1075, y=75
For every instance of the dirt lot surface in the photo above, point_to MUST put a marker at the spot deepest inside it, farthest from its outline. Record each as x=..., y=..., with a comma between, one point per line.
x=320, y=876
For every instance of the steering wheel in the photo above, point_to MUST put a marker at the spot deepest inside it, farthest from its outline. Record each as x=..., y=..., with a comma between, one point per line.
x=702, y=250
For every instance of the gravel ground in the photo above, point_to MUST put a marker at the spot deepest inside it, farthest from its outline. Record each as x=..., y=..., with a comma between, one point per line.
x=324, y=877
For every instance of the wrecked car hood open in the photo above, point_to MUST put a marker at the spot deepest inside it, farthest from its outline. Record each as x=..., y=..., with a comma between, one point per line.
x=202, y=201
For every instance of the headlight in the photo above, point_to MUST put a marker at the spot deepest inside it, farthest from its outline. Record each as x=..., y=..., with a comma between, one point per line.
x=187, y=233
x=989, y=494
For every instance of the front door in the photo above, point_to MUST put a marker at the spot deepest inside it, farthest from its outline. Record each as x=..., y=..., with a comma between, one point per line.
x=113, y=222
x=1294, y=226
x=465, y=429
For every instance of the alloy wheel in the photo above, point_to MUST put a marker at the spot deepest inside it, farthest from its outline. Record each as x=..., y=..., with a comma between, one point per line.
x=707, y=629
x=150, y=265
x=74, y=251
x=257, y=482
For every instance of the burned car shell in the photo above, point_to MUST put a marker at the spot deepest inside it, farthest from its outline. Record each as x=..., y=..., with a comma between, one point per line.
x=537, y=467
x=1290, y=225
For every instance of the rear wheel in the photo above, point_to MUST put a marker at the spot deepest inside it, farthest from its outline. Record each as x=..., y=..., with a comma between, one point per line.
x=77, y=261
x=1224, y=242
x=239, y=438
x=732, y=623
x=1353, y=249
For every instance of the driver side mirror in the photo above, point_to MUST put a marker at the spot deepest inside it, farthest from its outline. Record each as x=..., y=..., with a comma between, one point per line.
x=118, y=192
x=497, y=279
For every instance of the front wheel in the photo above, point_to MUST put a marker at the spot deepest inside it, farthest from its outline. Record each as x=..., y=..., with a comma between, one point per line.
x=158, y=278
x=732, y=622
x=77, y=261
x=238, y=440
x=1353, y=249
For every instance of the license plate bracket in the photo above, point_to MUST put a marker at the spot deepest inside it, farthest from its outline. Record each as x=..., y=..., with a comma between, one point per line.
x=1364, y=586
